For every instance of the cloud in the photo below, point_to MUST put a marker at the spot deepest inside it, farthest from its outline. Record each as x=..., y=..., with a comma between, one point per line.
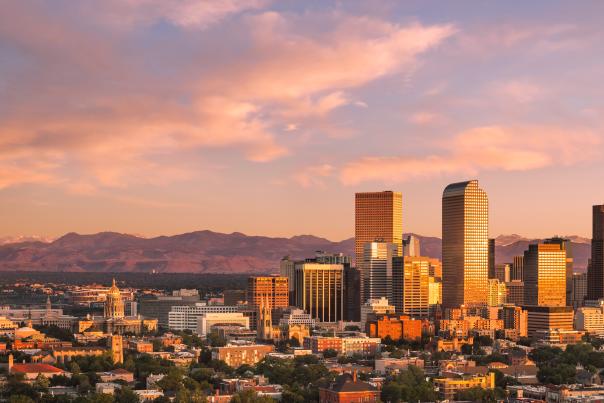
x=314, y=175
x=481, y=149
x=425, y=118
x=88, y=106
x=519, y=91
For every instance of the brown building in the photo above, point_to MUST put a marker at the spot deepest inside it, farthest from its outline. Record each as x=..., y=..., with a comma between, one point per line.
x=271, y=290
x=348, y=389
x=237, y=355
x=448, y=388
x=517, y=268
x=595, y=274
x=465, y=227
x=515, y=318
x=545, y=275
x=396, y=327
x=549, y=317
x=378, y=215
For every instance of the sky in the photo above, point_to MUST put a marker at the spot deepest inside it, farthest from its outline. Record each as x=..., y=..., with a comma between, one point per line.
x=265, y=117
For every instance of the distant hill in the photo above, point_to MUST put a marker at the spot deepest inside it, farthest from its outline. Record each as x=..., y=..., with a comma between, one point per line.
x=206, y=252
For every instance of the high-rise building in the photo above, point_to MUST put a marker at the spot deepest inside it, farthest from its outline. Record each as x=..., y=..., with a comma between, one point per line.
x=270, y=290
x=548, y=318
x=491, y=258
x=378, y=216
x=497, y=292
x=375, y=307
x=410, y=285
x=435, y=291
x=566, y=244
x=352, y=294
x=377, y=269
x=579, y=289
x=595, y=275
x=503, y=272
x=518, y=268
x=287, y=269
x=514, y=317
x=515, y=292
x=320, y=290
x=465, y=227
x=545, y=275
x=411, y=246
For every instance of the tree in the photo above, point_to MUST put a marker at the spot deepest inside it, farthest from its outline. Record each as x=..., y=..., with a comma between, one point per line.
x=250, y=396
x=330, y=353
x=126, y=395
x=20, y=399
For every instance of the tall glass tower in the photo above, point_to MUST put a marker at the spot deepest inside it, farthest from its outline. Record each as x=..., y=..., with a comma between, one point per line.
x=465, y=240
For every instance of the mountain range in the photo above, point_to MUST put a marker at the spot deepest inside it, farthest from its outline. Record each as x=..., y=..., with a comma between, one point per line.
x=208, y=252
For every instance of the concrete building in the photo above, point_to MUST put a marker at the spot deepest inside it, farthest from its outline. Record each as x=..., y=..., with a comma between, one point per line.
x=465, y=227
x=160, y=306
x=518, y=268
x=545, y=275
x=515, y=318
x=503, y=272
x=352, y=294
x=579, y=289
x=376, y=270
x=236, y=355
x=186, y=317
x=411, y=285
x=515, y=292
x=496, y=292
x=272, y=290
x=207, y=321
x=375, y=306
x=590, y=319
x=449, y=387
x=411, y=246
x=549, y=317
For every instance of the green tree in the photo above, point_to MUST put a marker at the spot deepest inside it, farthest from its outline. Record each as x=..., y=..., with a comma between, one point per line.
x=330, y=353
x=126, y=395
x=20, y=399
x=250, y=396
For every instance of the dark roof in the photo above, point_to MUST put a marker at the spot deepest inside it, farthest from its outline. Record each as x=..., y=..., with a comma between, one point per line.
x=344, y=383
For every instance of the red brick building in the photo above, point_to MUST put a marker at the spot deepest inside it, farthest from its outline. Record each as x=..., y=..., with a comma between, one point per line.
x=348, y=389
x=396, y=327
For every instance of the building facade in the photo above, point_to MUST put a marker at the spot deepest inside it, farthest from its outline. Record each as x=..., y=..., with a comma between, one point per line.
x=465, y=227
x=320, y=290
x=272, y=290
x=595, y=274
x=377, y=269
x=411, y=285
x=545, y=275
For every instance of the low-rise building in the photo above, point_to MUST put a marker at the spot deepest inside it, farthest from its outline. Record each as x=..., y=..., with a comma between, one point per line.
x=388, y=365
x=237, y=355
x=348, y=389
x=355, y=345
x=449, y=387
x=397, y=327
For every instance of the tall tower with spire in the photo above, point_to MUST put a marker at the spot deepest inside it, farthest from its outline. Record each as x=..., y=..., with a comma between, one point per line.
x=265, y=320
x=114, y=305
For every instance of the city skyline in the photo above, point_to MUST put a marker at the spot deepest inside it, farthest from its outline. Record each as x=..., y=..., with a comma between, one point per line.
x=161, y=117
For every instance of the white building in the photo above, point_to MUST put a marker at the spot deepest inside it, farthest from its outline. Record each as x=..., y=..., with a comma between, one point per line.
x=378, y=306
x=186, y=317
x=590, y=319
x=295, y=316
x=207, y=320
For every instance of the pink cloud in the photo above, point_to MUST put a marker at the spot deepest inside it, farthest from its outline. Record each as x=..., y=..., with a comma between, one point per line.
x=519, y=91
x=481, y=149
x=314, y=175
x=100, y=117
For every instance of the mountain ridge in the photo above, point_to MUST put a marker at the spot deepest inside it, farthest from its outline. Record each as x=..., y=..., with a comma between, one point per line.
x=207, y=251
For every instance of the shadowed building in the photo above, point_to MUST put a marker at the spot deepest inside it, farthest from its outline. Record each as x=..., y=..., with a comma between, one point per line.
x=377, y=270
x=465, y=226
x=595, y=274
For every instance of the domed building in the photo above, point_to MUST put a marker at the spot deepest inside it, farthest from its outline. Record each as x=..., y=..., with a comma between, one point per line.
x=114, y=320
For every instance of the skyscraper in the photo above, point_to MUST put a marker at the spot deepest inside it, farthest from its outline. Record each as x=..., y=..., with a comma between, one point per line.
x=376, y=270
x=491, y=258
x=518, y=268
x=320, y=290
x=545, y=275
x=378, y=216
x=595, y=275
x=566, y=244
x=272, y=291
x=410, y=285
x=465, y=224
x=411, y=246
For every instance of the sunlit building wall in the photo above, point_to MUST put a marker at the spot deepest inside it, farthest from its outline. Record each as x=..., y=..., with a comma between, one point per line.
x=465, y=227
x=410, y=285
x=545, y=275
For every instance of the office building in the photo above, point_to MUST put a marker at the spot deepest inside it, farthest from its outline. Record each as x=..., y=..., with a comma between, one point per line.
x=436, y=269
x=515, y=318
x=352, y=294
x=545, y=275
x=595, y=275
x=579, y=289
x=515, y=292
x=396, y=327
x=160, y=306
x=377, y=270
x=491, y=258
x=549, y=317
x=465, y=226
x=207, y=321
x=378, y=215
x=185, y=317
x=271, y=290
x=496, y=292
x=235, y=297
x=287, y=268
x=590, y=319
x=503, y=272
x=518, y=268
x=565, y=244
x=435, y=291
x=375, y=307
x=411, y=246
x=320, y=290
x=410, y=285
